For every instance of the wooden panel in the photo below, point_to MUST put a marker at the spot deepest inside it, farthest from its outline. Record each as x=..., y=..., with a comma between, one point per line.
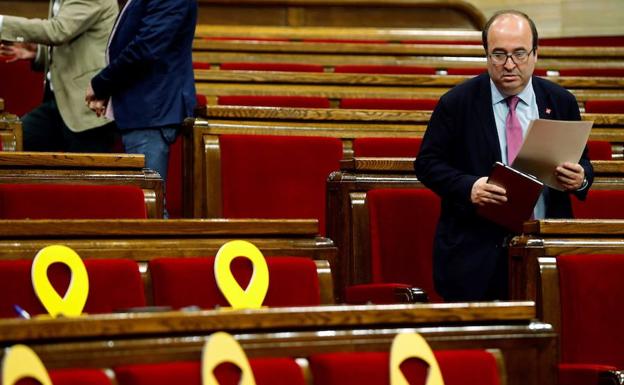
x=92, y=169
x=343, y=13
x=528, y=347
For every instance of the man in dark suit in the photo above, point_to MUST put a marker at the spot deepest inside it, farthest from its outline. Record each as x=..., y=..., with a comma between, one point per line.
x=467, y=133
x=148, y=86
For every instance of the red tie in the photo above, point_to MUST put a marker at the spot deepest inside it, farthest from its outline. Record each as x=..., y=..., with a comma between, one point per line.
x=513, y=129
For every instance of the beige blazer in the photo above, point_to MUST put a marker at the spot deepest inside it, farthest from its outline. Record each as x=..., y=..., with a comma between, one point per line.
x=79, y=35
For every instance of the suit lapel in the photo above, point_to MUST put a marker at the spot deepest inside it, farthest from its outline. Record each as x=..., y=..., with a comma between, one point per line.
x=485, y=115
x=543, y=100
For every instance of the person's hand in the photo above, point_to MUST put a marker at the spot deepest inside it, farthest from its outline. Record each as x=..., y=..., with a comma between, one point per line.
x=570, y=176
x=483, y=192
x=95, y=104
x=18, y=51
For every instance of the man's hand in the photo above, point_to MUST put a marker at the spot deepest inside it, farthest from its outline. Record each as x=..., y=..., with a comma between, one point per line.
x=18, y=51
x=570, y=176
x=483, y=192
x=95, y=104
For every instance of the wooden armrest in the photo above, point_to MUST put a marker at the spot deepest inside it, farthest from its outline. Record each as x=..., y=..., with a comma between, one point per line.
x=411, y=295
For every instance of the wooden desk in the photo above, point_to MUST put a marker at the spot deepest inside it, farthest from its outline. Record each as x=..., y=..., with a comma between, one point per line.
x=528, y=346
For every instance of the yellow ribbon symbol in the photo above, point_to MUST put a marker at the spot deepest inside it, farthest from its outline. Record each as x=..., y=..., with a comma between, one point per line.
x=21, y=362
x=412, y=345
x=74, y=300
x=253, y=296
x=222, y=347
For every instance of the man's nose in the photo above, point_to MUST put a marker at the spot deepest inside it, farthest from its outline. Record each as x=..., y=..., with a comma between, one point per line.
x=509, y=64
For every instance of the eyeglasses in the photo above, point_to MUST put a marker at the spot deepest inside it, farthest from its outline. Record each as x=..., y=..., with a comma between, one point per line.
x=518, y=57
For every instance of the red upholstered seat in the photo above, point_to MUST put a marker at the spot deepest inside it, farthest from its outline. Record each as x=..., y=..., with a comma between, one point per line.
x=68, y=201
x=591, y=292
x=180, y=282
x=113, y=284
x=389, y=104
x=607, y=72
x=605, y=106
x=201, y=100
x=458, y=367
x=274, y=101
x=288, y=67
x=583, y=41
x=266, y=371
x=385, y=69
x=386, y=147
x=402, y=227
x=599, y=150
x=478, y=71
x=600, y=204
x=21, y=87
x=277, y=176
x=79, y=377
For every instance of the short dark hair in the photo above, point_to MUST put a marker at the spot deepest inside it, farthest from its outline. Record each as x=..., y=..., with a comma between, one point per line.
x=495, y=16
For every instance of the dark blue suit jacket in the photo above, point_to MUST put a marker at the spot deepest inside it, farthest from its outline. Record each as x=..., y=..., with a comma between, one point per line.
x=461, y=145
x=150, y=75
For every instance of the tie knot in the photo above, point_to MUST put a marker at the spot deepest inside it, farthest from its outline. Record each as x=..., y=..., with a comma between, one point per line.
x=512, y=102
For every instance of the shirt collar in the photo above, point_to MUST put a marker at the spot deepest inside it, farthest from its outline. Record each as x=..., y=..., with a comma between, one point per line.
x=526, y=95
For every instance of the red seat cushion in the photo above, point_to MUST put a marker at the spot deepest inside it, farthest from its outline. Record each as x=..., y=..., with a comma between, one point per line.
x=266, y=371
x=201, y=100
x=274, y=101
x=287, y=180
x=600, y=204
x=79, y=377
x=287, y=67
x=179, y=282
x=113, y=284
x=607, y=72
x=458, y=367
x=21, y=87
x=68, y=201
x=591, y=292
x=605, y=106
x=599, y=150
x=385, y=69
x=402, y=228
x=478, y=71
x=386, y=147
x=389, y=104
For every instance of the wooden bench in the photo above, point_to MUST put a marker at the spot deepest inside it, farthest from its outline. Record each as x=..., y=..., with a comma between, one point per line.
x=528, y=346
x=10, y=131
x=144, y=240
x=201, y=149
x=342, y=13
x=348, y=217
x=549, y=238
x=74, y=168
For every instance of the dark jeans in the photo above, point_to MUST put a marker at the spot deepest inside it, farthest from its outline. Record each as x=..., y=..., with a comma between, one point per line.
x=45, y=130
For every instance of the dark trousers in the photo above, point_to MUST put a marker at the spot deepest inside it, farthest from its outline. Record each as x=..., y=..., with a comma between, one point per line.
x=45, y=130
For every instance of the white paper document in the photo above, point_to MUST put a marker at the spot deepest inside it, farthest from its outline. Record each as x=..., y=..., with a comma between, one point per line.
x=549, y=143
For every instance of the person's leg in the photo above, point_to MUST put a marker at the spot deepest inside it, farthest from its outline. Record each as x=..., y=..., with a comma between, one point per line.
x=42, y=127
x=99, y=139
x=154, y=144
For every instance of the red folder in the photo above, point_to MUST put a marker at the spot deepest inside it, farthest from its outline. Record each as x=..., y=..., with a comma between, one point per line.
x=523, y=190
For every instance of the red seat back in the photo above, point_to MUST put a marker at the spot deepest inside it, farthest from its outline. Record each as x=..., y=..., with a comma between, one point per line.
x=180, y=282
x=385, y=69
x=21, y=87
x=113, y=284
x=600, y=204
x=605, y=106
x=277, y=176
x=65, y=201
x=402, y=228
x=591, y=293
x=386, y=147
x=287, y=67
x=458, y=367
x=599, y=150
x=266, y=371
